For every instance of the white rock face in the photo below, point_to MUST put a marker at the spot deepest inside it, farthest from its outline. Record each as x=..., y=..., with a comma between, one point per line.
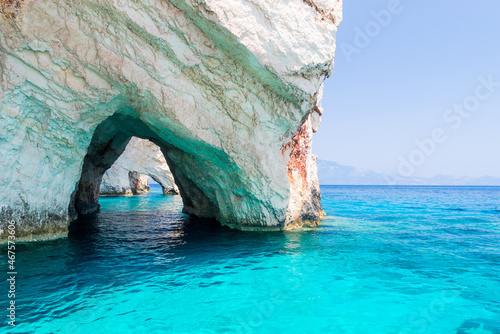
x=129, y=174
x=227, y=89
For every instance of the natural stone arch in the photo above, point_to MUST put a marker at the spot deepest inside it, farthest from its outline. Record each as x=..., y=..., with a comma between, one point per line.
x=108, y=143
x=130, y=172
x=203, y=174
x=229, y=96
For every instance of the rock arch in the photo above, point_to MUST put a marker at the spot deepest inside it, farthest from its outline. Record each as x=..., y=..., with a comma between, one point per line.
x=130, y=172
x=230, y=97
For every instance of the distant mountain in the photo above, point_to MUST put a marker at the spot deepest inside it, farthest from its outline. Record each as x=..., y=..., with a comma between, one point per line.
x=331, y=173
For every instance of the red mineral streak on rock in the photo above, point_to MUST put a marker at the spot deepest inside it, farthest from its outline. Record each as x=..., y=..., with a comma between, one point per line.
x=301, y=146
x=11, y=9
x=316, y=109
x=325, y=15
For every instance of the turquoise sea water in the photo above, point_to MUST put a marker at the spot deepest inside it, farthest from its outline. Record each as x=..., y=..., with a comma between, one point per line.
x=386, y=260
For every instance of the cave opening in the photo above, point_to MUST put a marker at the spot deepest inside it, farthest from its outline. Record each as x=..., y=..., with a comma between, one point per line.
x=108, y=143
x=141, y=161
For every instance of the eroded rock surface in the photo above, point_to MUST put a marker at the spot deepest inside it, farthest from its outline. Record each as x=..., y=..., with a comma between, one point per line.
x=129, y=174
x=229, y=90
x=139, y=183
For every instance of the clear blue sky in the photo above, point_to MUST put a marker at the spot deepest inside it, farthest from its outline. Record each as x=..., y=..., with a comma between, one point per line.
x=396, y=89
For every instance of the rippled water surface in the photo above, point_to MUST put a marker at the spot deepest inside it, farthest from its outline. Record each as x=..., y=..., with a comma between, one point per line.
x=386, y=260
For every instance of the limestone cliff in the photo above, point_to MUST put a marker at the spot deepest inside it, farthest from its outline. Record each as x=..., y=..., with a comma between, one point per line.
x=229, y=90
x=129, y=174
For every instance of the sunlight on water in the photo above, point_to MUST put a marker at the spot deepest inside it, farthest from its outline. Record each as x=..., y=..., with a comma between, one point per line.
x=386, y=260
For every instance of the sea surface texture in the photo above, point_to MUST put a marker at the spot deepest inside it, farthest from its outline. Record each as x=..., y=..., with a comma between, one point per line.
x=385, y=260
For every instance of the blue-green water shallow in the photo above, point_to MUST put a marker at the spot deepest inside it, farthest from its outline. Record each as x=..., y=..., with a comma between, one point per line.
x=386, y=260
